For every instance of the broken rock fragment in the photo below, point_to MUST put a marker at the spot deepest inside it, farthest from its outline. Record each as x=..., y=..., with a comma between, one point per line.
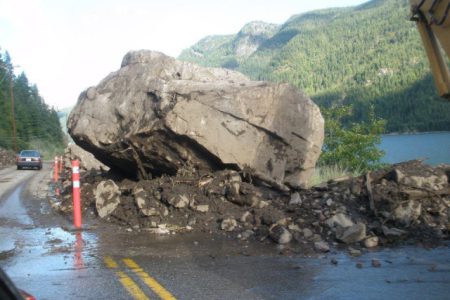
x=107, y=198
x=86, y=159
x=352, y=234
x=423, y=177
x=228, y=224
x=407, y=212
x=147, y=204
x=202, y=208
x=321, y=246
x=371, y=242
x=339, y=220
x=295, y=199
x=179, y=201
x=280, y=234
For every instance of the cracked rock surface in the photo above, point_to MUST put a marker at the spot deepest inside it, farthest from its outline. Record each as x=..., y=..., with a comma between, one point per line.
x=156, y=114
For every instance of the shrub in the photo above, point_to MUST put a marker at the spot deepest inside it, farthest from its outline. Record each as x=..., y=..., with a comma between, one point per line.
x=353, y=146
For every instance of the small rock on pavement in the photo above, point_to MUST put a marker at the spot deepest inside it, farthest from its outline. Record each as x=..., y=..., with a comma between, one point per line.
x=321, y=246
x=228, y=224
x=376, y=263
x=354, y=252
x=371, y=242
x=280, y=234
x=352, y=234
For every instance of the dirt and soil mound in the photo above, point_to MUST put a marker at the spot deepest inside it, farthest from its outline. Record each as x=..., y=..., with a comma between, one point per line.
x=404, y=203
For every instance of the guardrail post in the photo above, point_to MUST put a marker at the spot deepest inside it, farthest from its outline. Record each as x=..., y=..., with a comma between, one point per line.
x=76, y=194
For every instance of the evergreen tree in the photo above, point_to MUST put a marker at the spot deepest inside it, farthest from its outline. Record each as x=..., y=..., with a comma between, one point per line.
x=37, y=125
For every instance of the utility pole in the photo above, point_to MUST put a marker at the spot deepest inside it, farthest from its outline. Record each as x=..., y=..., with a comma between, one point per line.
x=13, y=118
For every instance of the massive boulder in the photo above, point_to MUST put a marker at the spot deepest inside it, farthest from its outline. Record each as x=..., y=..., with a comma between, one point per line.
x=156, y=114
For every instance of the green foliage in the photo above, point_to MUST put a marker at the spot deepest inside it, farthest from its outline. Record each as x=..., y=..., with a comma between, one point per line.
x=361, y=56
x=329, y=172
x=37, y=125
x=351, y=147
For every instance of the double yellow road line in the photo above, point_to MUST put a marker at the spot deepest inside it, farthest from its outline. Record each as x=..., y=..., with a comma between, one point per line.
x=132, y=287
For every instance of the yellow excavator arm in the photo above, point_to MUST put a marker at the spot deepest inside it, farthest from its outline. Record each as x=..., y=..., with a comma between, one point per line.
x=433, y=22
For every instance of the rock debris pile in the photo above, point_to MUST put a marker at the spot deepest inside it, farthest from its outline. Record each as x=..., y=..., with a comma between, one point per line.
x=408, y=202
x=7, y=158
x=203, y=149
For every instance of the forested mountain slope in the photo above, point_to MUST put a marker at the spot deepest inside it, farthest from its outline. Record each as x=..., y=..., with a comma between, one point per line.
x=37, y=125
x=365, y=55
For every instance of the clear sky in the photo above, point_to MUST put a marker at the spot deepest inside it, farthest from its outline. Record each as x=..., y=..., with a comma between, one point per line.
x=65, y=46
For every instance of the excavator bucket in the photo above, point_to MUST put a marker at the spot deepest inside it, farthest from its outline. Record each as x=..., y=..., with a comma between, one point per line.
x=433, y=23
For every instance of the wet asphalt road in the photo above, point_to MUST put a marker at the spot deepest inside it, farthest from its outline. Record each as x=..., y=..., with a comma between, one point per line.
x=45, y=257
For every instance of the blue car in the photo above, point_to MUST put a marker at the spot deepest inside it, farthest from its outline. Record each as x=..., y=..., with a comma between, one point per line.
x=29, y=159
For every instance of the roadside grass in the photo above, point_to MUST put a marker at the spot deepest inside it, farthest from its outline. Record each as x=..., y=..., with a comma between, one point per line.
x=326, y=173
x=48, y=150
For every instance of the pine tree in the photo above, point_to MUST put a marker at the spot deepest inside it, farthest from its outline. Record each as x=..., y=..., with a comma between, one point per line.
x=37, y=125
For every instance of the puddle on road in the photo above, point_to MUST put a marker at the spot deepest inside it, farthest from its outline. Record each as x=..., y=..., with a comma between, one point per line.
x=40, y=250
x=12, y=210
x=37, y=250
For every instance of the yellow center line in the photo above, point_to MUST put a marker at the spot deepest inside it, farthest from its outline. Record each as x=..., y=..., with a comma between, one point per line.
x=125, y=280
x=110, y=263
x=131, y=286
x=148, y=280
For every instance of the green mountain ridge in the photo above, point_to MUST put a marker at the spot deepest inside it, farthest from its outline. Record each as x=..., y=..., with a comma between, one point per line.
x=228, y=49
x=62, y=116
x=367, y=55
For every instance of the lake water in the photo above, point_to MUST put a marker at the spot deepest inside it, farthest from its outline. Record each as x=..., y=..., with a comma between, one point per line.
x=435, y=147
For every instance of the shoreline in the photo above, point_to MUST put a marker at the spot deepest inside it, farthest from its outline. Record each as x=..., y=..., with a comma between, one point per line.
x=415, y=133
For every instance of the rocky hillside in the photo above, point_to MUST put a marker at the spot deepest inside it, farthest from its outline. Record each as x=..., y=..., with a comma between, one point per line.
x=229, y=50
x=364, y=55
